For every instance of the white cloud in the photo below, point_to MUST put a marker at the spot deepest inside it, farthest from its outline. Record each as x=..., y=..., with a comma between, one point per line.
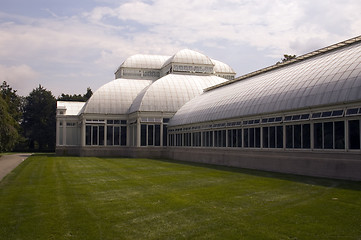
x=74, y=52
x=20, y=77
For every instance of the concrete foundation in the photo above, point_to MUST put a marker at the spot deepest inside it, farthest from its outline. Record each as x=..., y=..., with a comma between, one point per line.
x=339, y=165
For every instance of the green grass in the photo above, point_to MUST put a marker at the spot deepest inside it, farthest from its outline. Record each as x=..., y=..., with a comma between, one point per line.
x=49, y=197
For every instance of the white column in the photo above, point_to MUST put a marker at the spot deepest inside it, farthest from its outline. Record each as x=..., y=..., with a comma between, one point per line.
x=138, y=133
x=82, y=133
x=64, y=132
x=57, y=132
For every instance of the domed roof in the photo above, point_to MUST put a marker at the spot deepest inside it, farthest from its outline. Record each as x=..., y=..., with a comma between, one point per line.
x=115, y=97
x=144, y=61
x=172, y=91
x=221, y=67
x=189, y=57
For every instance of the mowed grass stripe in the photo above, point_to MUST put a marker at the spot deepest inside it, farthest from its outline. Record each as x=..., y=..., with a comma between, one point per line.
x=49, y=197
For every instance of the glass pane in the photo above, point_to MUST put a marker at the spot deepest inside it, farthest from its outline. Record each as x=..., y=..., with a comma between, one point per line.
x=95, y=135
x=289, y=136
x=165, y=132
x=224, y=138
x=88, y=135
x=328, y=135
x=239, y=137
x=116, y=136
x=317, y=134
x=354, y=134
x=150, y=135
x=123, y=134
x=257, y=136
x=326, y=114
x=251, y=137
x=229, y=138
x=109, y=135
x=297, y=136
x=101, y=135
x=272, y=137
x=157, y=135
x=143, y=135
x=245, y=137
x=265, y=137
x=234, y=138
x=339, y=135
x=306, y=136
x=352, y=111
x=279, y=136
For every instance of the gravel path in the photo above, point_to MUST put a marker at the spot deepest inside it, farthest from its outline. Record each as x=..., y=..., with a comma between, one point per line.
x=9, y=162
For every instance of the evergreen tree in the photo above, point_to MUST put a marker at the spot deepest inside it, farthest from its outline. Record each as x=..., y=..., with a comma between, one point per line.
x=39, y=121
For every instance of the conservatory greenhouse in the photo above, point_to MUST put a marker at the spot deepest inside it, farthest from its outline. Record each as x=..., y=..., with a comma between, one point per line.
x=301, y=116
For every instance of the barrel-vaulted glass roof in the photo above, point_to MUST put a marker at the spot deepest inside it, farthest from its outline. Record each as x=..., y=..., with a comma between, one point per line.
x=115, y=97
x=330, y=78
x=172, y=91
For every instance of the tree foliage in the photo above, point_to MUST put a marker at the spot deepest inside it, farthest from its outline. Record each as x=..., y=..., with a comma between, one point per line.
x=76, y=97
x=39, y=119
x=8, y=133
x=10, y=117
x=13, y=100
x=286, y=58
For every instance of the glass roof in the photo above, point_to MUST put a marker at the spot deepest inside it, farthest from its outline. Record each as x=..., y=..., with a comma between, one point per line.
x=144, y=61
x=329, y=78
x=189, y=57
x=72, y=108
x=221, y=67
x=115, y=97
x=172, y=91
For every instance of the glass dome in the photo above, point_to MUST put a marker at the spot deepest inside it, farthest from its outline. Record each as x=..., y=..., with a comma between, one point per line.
x=115, y=97
x=144, y=61
x=187, y=56
x=171, y=92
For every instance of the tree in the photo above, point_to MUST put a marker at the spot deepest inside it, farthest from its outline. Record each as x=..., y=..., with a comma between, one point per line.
x=286, y=58
x=76, y=97
x=8, y=133
x=13, y=100
x=40, y=119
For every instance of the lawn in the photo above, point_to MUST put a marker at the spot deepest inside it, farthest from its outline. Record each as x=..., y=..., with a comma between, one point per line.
x=50, y=197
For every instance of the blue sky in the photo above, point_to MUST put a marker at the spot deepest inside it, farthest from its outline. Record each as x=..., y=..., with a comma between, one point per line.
x=67, y=46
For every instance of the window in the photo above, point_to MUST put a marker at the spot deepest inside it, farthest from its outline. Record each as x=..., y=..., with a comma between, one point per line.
x=298, y=136
x=339, y=135
x=150, y=135
x=317, y=135
x=354, y=134
x=143, y=134
x=123, y=136
x=279, y=136
x=157, y=135
x=88, y=135
x=329, y=135
x=165, y=134
x=265, y=137
x=306, y=137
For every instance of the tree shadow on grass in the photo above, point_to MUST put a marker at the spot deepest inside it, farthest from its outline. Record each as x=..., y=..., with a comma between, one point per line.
x=319, y=181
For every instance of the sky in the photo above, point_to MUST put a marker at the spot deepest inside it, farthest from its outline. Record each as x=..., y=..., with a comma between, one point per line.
x=67, y=46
